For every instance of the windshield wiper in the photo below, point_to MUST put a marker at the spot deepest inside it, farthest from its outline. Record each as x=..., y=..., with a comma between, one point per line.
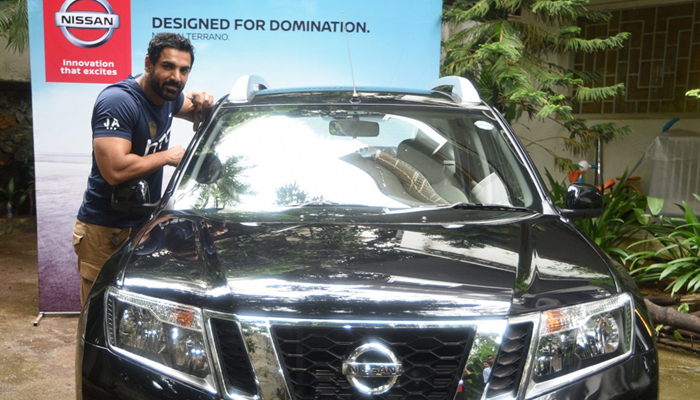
x=315, y=204
x=490, y=207
x=463, y=206
x=327, y=204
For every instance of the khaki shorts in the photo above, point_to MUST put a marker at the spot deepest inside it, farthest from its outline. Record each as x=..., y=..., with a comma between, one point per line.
x=94, y=245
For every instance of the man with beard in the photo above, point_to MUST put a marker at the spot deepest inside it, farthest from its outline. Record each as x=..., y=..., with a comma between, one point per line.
x=131, y=125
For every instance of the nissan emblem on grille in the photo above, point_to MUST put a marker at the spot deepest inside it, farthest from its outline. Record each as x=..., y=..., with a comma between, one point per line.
x=372, y=369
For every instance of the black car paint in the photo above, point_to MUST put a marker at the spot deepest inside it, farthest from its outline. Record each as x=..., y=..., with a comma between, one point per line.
x=199, y=255
x=191, y=260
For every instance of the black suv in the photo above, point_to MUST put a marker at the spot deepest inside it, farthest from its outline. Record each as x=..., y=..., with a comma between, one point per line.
x=340, y=243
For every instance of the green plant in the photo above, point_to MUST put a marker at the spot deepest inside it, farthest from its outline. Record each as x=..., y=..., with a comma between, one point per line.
x=620, y=220
x=557, y=190
x=13, y=196
x=31, y=187
x=508, y=60
x=14, y=24
x=678, y=255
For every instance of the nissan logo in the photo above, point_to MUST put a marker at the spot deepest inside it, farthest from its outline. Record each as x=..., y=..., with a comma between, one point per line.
x=67, y=19
x=372, y=369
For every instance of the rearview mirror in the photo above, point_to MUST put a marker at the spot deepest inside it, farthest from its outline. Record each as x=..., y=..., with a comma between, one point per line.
x=353, y=127
x=133, y=197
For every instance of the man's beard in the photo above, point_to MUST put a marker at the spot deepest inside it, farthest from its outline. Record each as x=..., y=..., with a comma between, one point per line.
x=164, y=92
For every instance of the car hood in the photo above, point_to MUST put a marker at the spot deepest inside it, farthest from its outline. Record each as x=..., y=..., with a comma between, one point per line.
x=509, y=263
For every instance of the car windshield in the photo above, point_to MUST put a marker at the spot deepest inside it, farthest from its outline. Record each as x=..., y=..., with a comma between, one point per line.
x=267, y=158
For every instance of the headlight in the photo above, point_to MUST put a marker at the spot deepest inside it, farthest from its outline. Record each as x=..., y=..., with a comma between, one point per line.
x=166, y=336
x=575, y=341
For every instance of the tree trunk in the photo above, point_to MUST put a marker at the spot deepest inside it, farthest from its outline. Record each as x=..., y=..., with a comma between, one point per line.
x=679, y=345
x=669, y=316
x=663, y=300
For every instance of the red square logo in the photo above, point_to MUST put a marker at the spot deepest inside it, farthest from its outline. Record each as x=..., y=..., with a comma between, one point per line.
x=87, y=41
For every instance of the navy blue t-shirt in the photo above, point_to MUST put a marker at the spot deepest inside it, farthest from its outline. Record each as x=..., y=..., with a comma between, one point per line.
x=123, y=110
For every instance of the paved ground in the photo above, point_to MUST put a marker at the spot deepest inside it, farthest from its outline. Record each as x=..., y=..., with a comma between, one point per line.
x=38, y=362
x=35, y=362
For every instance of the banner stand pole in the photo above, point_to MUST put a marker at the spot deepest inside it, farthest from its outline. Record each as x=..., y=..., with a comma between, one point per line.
x=55, y=314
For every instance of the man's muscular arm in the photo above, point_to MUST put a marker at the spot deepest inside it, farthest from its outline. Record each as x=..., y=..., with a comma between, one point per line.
x=117, y=165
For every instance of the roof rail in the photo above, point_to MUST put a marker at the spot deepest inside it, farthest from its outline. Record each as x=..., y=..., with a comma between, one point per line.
x=245, y=88
x=461, y=87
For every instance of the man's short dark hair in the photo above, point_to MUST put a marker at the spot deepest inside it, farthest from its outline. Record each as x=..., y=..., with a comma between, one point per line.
x=172, y=40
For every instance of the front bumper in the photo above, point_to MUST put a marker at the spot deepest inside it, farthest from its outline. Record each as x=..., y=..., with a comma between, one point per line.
x=107, y=376
x=636, y=378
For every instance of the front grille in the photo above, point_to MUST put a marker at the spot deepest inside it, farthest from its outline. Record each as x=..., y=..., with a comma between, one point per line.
x=236, y=368
x=432, y=359
x=507, y=371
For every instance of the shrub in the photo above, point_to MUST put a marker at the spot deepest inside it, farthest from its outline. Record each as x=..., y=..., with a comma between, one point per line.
x=678, y=254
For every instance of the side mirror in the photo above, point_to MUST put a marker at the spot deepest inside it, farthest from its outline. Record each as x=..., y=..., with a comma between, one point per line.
x=583, y=201
x=133, y=197
x=210, y=170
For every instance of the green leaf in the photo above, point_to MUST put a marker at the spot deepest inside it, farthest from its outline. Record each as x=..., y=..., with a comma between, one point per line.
x=694, y=284
x=684, y=308
x=655, y=205
x=638, y=256
x=691, y=219
x=677, y=285
x=593, y=45
x=658, y=328
x=667, y=248
x=618, y=251
x=691, y=260
x=656, y=266
x=14, y=24
x=599, y=93
x=678, y=336
x=642, y=217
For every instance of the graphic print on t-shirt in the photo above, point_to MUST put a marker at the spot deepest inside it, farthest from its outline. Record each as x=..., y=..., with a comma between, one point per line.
x=152, y=147
x=153, y=128
x=111, y=124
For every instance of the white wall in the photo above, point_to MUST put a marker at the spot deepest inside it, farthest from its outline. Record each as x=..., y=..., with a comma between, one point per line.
x=617, y=156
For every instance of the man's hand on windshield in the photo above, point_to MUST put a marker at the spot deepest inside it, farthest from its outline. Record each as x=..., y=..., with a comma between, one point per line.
x=197, y=107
